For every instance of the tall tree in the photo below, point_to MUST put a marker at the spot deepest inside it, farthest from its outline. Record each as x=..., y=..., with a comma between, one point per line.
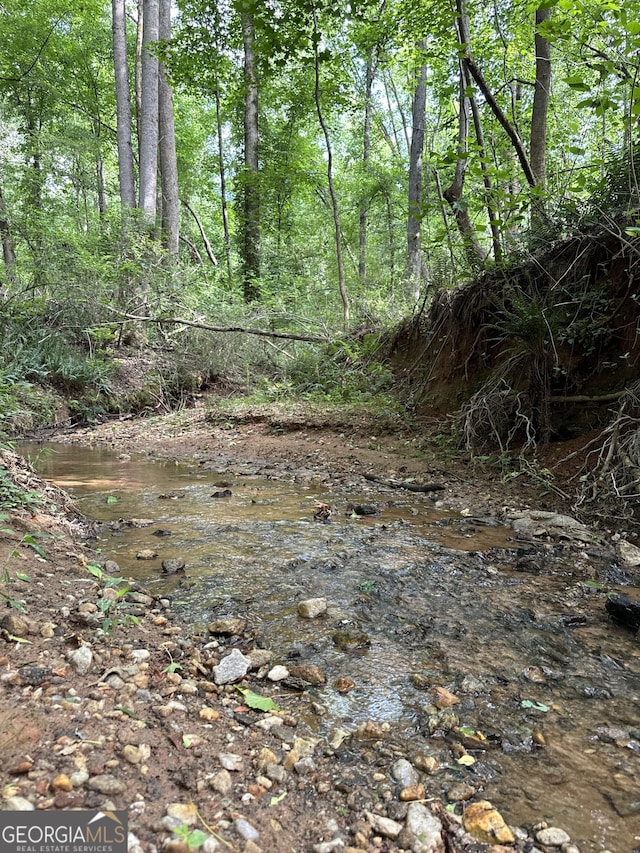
x=251, y=176
x=167, y=145
x=416, y=268
x=539, y=113
x=148, y=129
x=123, y=105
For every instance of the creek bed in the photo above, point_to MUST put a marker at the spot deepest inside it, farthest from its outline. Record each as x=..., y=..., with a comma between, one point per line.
x=518, y=631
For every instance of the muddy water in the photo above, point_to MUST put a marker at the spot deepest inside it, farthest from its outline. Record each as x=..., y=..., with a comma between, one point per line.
x=519, y=633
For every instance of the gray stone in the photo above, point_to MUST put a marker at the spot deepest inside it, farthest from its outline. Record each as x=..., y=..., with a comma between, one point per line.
x=15, y=625
x=106, y=784
x=230, y=761
x=17, y=804
x=305, y=766
x=231, y=668
x=384, y=825
x=328, y=846
x=81, y=659
x=552, y=836
x=172, y=566
x=405, y=773
x=259, y=657
x=246, y=830
x=423, y=830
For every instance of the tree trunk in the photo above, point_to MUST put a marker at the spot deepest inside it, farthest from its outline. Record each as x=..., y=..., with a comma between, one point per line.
x=123, y=105
x=8, y=249
x=251, y=189
x=223, y=185
x=415, y=266
x=366, y=152
x=167, y=147
x=332, y=191
x=148, y=123
x=538, y=143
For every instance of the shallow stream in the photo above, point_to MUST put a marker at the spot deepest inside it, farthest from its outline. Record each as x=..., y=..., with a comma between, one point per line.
x=417, y=597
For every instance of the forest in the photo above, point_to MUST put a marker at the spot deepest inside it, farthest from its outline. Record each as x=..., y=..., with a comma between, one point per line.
x=317, y=198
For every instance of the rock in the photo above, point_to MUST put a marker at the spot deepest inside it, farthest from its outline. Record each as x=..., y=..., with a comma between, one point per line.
x=628, y=554
x=384, y=825
x=460, y=792
x=222, y=493
x=276, y=772
x=61, y=783
x=403, y=772
x=277, y=673
x=541, y=523
x=171, y=567
x=231, y=761
x=343, y=685
x=209, y=715
x=106, y=784
x=371, y=731
x=412, y=792
x=443, y=720
x=231, y=668
x=131, y=754
x=328, y=846
x=79, y=778
x=486, y=824
x=15, y=624
x=221, y=782
x=234, y=626
x=552, y=836
x=184, y=812
x=349, y=640
x=34, y=674
x=312, y=608
x=426, y=763
x=308, y=672
x=305, y=766
x=245, y=829
x=110, y=567
x=443, y=698
x=422, y=831
x=259, y=658
x=146, y=554
x=624, y=610
x=81, y=659
x=17, y=804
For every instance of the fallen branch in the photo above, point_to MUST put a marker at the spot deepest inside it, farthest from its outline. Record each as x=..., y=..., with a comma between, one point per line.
x=180, y=321
x=402, y=484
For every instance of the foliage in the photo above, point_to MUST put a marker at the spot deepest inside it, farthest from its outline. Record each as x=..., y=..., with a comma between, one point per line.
x=113, y=611
x=6, y=580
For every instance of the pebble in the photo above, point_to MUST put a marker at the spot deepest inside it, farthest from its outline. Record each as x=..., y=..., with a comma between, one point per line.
x=552, y=836
x=423, y=829
x=403, y=772
x=106, y=784
x=131, y=754
x=233, y=626
x=79, y=778
x=309, y=672
x=413, y=792
x=486, y=824
x=384, y=825
x=230, y=761
x=81, y=659
x=61, y=783
x=246, y=830
x=221, y=783
x=231, y=668
x=460, y=792
x=15, y=625
x=426, y=763
x=277, y=673
x=18, y=804
x=311, y=608
x=186, y=813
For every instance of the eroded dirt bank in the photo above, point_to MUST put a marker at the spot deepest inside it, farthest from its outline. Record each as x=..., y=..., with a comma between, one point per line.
x=141, y=718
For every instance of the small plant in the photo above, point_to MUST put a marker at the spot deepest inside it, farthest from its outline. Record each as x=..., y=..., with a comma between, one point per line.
x=192, y=837
x=6, y=580
x=111, y=609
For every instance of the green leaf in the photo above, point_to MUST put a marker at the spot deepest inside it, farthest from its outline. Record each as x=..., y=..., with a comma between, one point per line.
x=21, y=576
x=257, y=702
x=196, y=838
x=536, y=706
x=31, y=542
x=94, y=570
x=278, y=799
x=112, y=499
